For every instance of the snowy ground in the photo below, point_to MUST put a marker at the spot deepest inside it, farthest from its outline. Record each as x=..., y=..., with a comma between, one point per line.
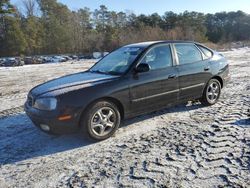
x=17, y=81
x=185, y=146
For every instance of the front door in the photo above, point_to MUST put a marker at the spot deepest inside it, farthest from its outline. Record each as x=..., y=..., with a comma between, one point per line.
x=158, y=87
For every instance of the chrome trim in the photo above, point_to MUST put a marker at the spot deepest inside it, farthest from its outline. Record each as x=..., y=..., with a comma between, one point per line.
x=193, y=86
x=168, y=92
x=156, y=95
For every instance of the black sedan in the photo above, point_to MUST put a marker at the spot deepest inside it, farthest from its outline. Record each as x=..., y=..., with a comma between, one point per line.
x=132, y=80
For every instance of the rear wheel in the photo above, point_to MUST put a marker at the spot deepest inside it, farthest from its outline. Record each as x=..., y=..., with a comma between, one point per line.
x=101, y=120
x=211, y=93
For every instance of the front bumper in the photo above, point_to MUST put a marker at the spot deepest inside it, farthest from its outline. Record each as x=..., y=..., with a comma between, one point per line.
x=50, y=119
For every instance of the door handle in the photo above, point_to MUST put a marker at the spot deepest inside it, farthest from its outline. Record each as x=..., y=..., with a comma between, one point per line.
x=172, y=76
x=206, y=69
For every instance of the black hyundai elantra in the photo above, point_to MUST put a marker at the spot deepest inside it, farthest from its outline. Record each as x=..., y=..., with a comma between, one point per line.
x=132, y=80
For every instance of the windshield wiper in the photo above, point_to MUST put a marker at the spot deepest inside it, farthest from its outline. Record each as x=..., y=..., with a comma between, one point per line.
x=114, y=73
x=108, y=73
x=98, y=71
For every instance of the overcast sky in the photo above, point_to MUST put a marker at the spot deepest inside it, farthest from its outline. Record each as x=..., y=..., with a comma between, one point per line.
x=159, y=6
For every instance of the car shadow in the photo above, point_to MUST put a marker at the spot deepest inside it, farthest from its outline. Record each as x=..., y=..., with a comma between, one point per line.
x=21, y=140
x=178, y=108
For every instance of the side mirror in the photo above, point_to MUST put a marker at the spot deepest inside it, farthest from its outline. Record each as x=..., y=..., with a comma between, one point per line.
x=143, y=67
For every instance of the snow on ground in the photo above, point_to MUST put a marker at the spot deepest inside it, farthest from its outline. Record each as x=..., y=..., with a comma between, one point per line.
x=185, y=146
x=17, y=81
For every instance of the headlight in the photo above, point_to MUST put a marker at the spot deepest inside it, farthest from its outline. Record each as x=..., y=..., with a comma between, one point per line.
x=45, y=103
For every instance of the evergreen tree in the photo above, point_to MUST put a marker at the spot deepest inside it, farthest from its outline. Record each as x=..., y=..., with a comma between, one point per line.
x=34, y=34
x=13, y=43
x=6, y=7
x=56, y=23
x=55, y=29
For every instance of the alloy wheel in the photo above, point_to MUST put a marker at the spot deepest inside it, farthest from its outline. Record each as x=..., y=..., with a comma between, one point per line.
x=103, y=121
x=213, y=92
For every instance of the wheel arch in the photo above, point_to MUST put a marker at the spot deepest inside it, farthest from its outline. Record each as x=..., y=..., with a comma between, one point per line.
x=219, y=79
x=214, y=77
x=108, y=99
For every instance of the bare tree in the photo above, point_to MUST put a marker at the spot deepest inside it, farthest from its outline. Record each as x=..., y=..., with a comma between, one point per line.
x=30, y=7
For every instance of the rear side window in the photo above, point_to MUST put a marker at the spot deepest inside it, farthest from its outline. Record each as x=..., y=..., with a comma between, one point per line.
x=158, y=57
x=208, y=54
x=188, y=53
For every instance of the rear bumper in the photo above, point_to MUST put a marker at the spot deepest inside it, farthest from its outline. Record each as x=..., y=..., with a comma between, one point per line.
x=51, y=120
x=225, y=75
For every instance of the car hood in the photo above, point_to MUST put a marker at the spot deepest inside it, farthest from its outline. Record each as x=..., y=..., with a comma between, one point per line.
x=79, y=80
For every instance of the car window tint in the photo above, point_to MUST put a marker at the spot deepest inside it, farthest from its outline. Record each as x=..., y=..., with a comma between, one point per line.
x=208, y=54
x=187, y=53
x=158, y=57
x=118, y=61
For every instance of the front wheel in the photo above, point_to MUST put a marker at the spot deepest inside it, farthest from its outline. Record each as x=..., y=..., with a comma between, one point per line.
x=101, y=120
x=211, y=93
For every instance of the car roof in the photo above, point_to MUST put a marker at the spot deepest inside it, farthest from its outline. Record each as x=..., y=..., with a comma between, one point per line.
x=149, y=43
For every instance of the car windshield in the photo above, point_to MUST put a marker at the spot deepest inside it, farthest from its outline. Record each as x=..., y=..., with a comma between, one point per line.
x=118, y=61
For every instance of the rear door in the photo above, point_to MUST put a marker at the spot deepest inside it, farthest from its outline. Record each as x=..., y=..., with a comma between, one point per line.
x=158, y=87
x=193, y=70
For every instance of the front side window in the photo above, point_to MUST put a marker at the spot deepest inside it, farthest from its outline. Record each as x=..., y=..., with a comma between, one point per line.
x=188, y=53
x=158, y=57
x=118, y=61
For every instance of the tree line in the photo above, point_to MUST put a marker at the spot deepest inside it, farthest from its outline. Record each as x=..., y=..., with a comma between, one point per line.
x=50, y=27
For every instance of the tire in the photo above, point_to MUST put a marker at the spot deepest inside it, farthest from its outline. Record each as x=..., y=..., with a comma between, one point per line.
x=211, y=93
x=101, y=120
